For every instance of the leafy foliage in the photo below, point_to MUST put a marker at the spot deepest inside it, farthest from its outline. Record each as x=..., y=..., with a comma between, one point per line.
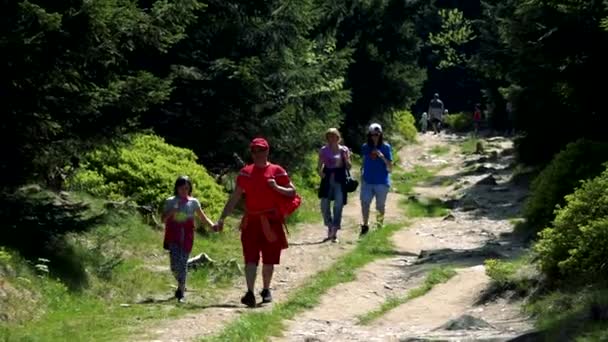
x=145, y=169
x=459, y=122
x=384, y=76
x=76, y=75
x=456, y=31
x=532, y=44
x=578, y=161
x=574, y=248
x=35, y=221
x=253, y=69
x=404, y=124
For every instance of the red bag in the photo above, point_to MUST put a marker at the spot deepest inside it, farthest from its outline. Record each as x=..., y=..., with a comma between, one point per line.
x=289, y=205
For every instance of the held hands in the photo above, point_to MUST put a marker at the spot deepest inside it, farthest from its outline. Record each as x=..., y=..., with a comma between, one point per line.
x=219, y=226
x=379, y=154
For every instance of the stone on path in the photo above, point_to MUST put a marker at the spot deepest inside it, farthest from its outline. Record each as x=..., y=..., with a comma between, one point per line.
x=465, y=322
x=490, y=180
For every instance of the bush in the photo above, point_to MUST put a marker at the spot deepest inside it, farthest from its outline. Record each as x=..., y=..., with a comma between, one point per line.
x=577, y=245
x=404, y=124
x=459, y=122
x=145, y=170
x=579, y=160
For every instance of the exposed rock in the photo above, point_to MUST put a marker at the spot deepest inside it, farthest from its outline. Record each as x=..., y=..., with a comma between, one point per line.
x=465, y=322
x=449, y=217
x=312, y=339
x=199, y=260
x=499, y=189
x=532, y=336
x=490, y=180
x=451, y=203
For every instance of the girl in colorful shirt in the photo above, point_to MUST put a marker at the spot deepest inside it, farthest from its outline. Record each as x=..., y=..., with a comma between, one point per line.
x=178, y=216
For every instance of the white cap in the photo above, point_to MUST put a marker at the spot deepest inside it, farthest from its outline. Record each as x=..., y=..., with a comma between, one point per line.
x=375, y=128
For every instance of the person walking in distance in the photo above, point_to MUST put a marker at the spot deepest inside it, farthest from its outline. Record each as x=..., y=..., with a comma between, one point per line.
x=269, y=197
x=477, y=117
x=436, y=109
x=375, y=178
x=334, y=159
x=424, y=121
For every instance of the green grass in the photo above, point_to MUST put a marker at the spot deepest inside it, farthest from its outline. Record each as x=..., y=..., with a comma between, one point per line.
x=43, y=309
x=440, y=150
x=435, y=276
x=424, y=207
x=469, y=146
x=404, y=181
x=120, y=262
x=258, y=326
x=570, y=312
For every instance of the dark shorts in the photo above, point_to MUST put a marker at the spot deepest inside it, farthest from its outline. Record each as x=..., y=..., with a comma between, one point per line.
x=255, y=244
x=435, y=121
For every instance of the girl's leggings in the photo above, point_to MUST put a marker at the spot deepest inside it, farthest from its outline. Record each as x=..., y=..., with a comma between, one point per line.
x=179, y=264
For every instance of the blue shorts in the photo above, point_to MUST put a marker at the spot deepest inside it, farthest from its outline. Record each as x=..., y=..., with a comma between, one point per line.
x=379, y=191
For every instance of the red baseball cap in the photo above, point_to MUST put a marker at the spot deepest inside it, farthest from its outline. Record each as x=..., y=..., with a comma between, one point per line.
x=259, y=142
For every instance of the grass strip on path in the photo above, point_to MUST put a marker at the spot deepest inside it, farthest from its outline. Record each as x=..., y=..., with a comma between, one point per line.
x=258, y=325
x=424, y=207
x=440, y=150
x=435, y=276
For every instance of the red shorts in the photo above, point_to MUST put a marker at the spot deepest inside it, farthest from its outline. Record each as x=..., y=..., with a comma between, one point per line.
x=255, y=243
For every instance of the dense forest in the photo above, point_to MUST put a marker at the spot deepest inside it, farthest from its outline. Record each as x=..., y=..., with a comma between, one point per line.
x=109, y=100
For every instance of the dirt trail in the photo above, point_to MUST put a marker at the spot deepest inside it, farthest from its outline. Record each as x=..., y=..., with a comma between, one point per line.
x=483, y=200
x=305, y=257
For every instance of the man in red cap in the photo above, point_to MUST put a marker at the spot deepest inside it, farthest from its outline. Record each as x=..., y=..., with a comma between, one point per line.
x=267, y=190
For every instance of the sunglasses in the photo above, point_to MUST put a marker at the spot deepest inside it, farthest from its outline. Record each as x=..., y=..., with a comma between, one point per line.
x=374, y=135
x=258, y=149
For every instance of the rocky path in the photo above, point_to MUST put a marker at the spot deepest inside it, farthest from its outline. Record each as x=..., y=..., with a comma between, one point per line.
x=306, y=256
x=483, y=200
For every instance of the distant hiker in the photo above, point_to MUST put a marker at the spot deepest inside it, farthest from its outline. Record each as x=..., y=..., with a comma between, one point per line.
x=375, y=180
x=477, y=117
x=334, y=160
x=424, y=121
x=510, y=119
x=270, y=197
x=178, y=216
x=436, y=112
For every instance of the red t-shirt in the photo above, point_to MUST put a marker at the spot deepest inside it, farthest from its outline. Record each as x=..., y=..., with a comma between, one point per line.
x=477, y=115
x=254, y=182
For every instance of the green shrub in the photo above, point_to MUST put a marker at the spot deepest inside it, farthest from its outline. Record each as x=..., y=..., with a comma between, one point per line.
x=579, y=160
x=577, y=245
x=145, y=170
x=404, y=124
x=459, y=122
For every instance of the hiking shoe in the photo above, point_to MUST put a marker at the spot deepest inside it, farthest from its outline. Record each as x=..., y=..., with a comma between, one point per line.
x=266, y=296
x=179, y=294
x=364, y=229
x=249, y=299
x=329, y=232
